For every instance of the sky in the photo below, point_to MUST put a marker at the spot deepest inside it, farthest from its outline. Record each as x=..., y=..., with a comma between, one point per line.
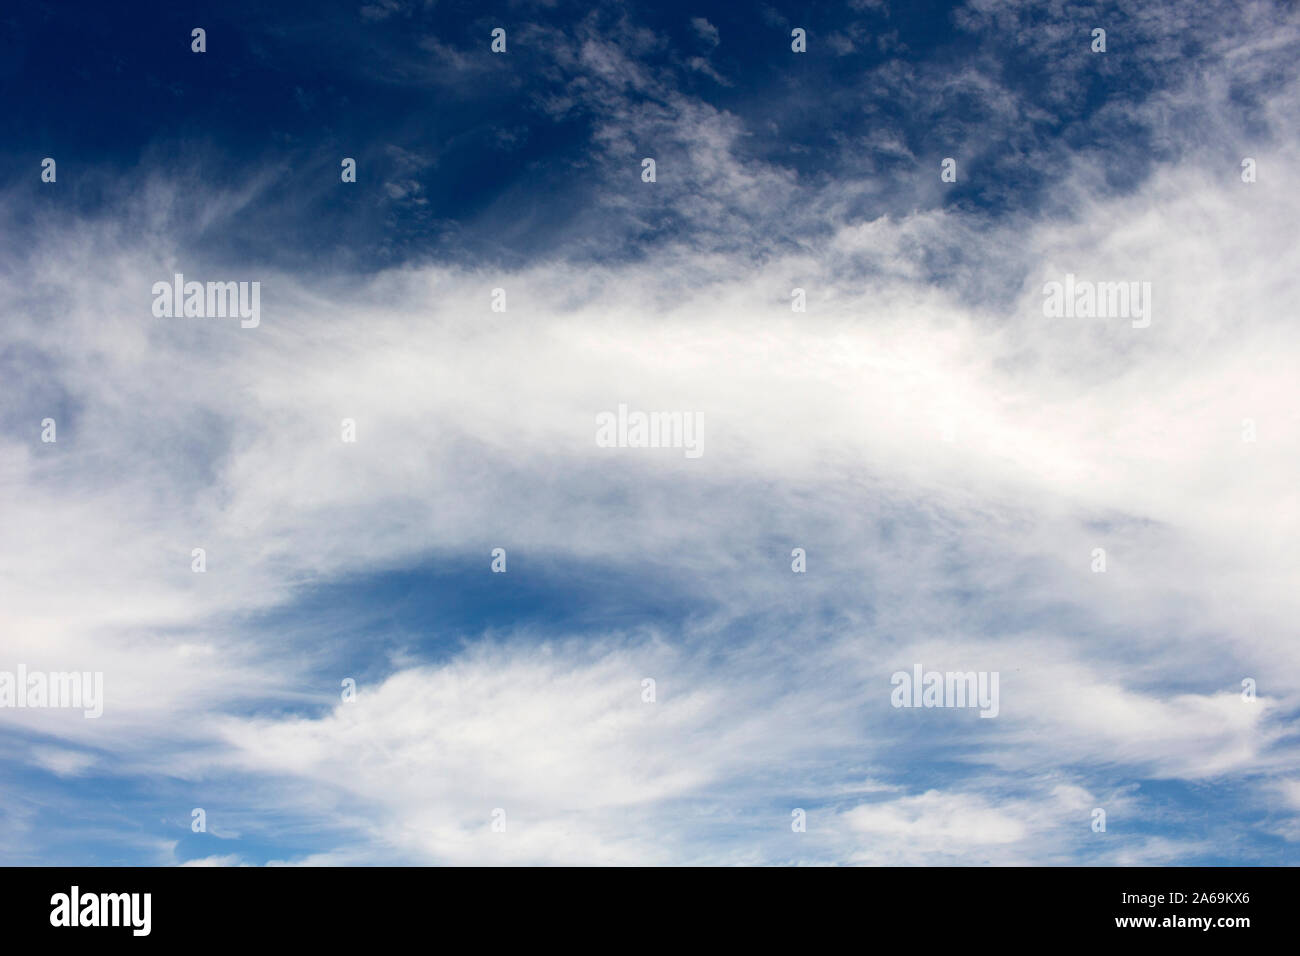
x=921, y=467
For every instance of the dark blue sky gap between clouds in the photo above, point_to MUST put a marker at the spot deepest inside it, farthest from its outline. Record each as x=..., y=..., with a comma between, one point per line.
x=116, y=96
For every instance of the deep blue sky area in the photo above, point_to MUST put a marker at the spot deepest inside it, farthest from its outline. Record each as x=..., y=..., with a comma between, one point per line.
x=115, y=92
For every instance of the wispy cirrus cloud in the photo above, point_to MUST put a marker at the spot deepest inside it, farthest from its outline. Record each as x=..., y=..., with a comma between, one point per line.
x=948, y=457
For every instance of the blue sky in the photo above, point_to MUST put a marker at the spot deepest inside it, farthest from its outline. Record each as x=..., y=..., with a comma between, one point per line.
x=948, y=457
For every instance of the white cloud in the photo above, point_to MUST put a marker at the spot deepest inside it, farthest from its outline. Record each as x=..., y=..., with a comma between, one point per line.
x=823, y=429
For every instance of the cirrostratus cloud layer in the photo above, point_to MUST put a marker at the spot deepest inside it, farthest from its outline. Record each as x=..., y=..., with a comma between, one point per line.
x=948, y=457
